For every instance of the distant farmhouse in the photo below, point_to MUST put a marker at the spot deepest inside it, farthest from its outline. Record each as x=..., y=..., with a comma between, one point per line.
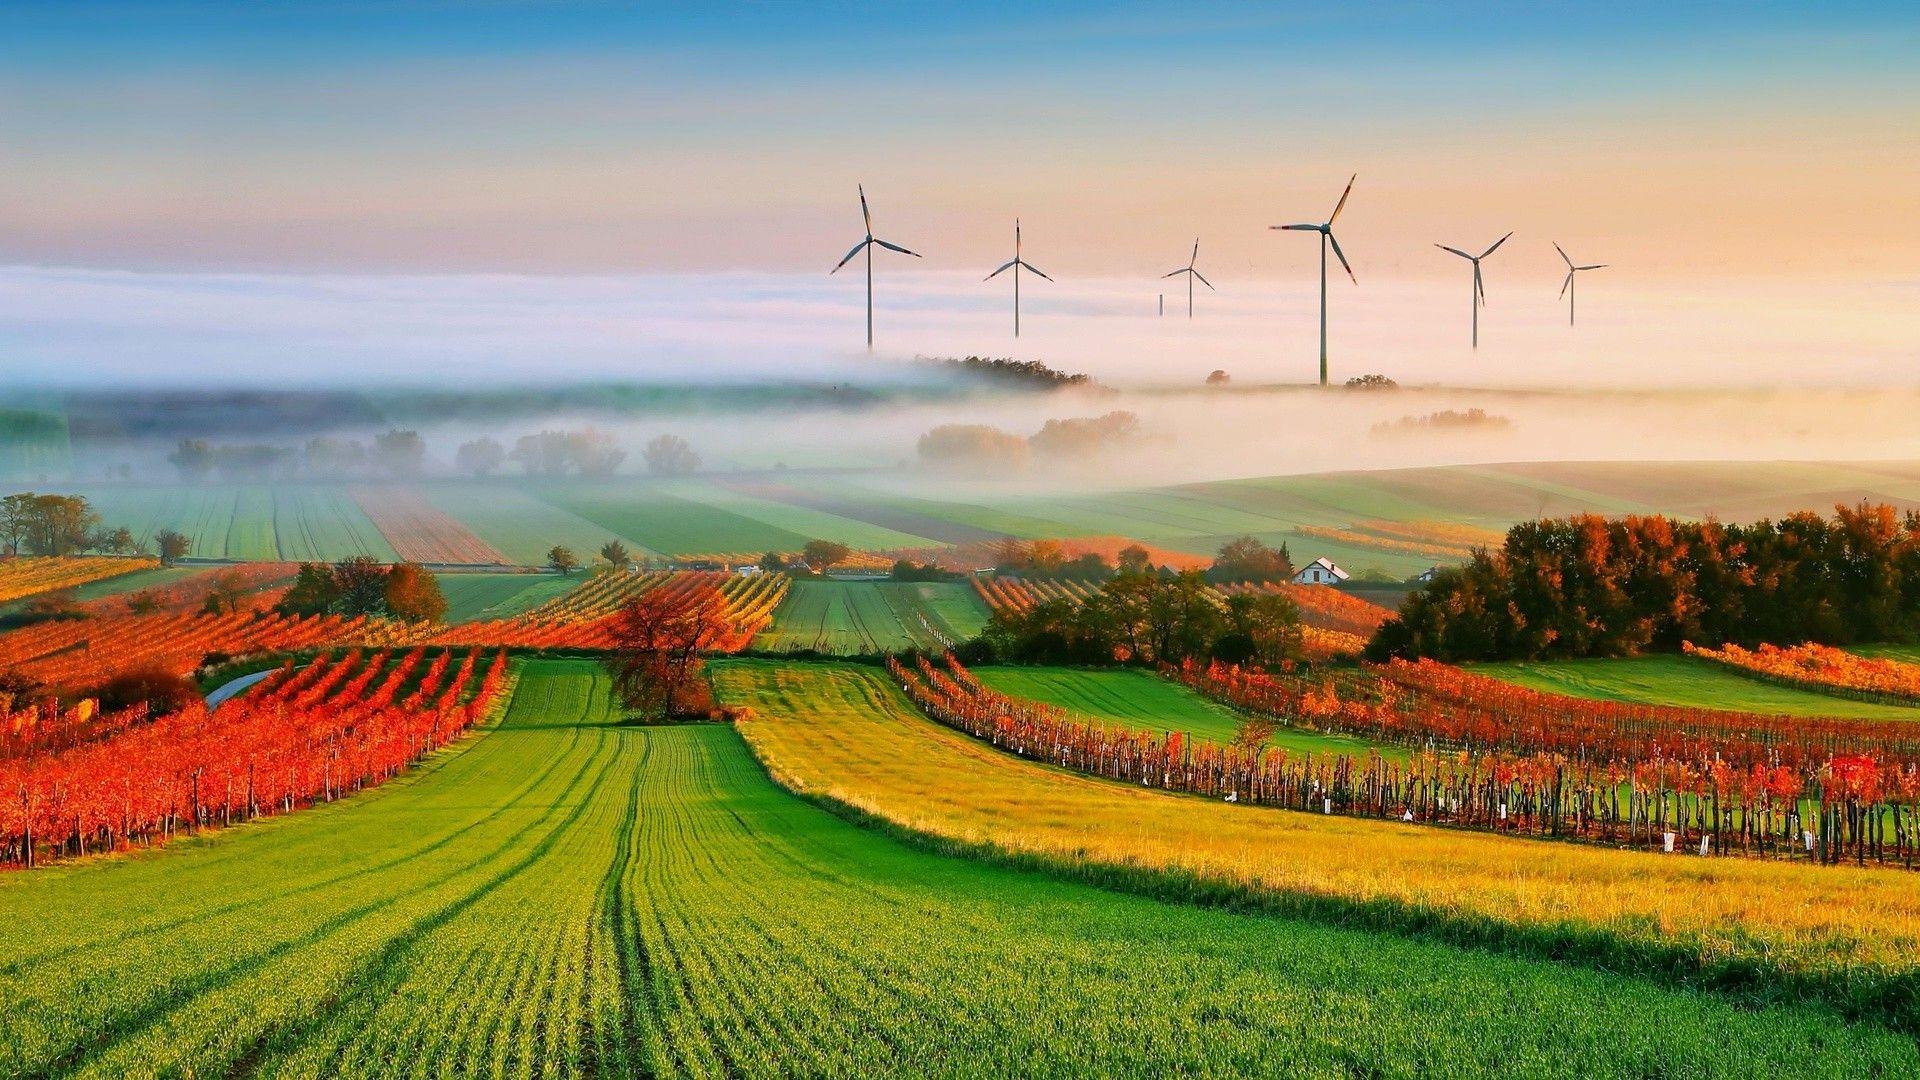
x=1320, y=571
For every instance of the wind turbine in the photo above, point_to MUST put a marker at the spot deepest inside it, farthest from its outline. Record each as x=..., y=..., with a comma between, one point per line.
x=1016, y=265
x=1326, y=238
x=1566, y=289
x=1191, y=274
x=1478, y=297
x=867, y=245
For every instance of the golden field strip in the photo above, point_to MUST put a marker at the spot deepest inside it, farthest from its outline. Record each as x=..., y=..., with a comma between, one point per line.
x=29, y=576
x=846, y=735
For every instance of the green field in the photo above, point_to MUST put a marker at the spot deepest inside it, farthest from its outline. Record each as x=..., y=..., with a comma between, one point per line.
x=34, y=444
x=519, y=525
x=1682, y=680
x=251, y=522
x=571, y=895
x=1146, y=702
x=849, y=618
x=667, y=523
x=473, y=597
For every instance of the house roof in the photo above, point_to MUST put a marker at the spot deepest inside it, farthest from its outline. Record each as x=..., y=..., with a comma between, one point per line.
x=1326, y=564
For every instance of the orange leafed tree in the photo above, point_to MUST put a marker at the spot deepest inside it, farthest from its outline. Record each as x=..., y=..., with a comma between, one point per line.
x=659, y=638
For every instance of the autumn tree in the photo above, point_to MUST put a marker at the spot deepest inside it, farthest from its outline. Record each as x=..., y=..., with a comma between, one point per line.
x=670, y=455
x=1251, y=736
x=821, y=554
x=616, y=554
x=562, y=559
x=1134, y=559
x=480, y=458
x=1246, y=559
x=413, y=594
x=226, y=593
x=659, y=638
x=171, y=545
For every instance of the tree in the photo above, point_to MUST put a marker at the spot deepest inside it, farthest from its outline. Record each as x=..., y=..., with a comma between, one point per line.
x=16, y=521
x=659, y=637
x=973, y=448
x=414, y=595
x=48, y=524
x=562, y=559
x=171, y=545
x=821, y=554
x=670, y=455
x=312, y=591
x=359, y=586
x=1246, y=559
x=401, y=453
x=1268, y=623
x=616, y=554
x=1134, y=559
x=329, y=457
x=480, y=458
x=594, y=452
x=1252, y=734
x=1371, y=382
x=544, y=454
x=226, y=593
x=193, y=458
x=144, y=602
x=1218, y=377
x=160, y=690
x=773, y=562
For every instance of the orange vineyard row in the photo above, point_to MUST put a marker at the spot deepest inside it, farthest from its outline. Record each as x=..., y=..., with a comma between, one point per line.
x=583, y=619
x=1822, y=668
x=30, y=575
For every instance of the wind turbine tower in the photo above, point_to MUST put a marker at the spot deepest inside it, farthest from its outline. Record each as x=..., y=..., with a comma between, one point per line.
x=1325, y=229
x=1191, y=275
x=1477, y=299
x=1566, y=288
x=867, y=245
x=1016, y=265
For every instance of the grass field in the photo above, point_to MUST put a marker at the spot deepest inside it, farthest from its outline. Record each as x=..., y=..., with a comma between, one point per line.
x=1145, y=702
x=520, y=525
x=471, y=597
x=1776, y=930
x=1683, y=680
x=666, y=523
x=570, y=895
x=250, y=522
x=849, y=618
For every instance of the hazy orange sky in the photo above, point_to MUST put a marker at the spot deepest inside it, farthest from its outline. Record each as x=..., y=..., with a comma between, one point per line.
x=1696, y=148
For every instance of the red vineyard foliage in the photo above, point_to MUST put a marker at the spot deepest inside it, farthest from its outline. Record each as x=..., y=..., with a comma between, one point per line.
x=303, y=736
x=583, y=618
x=1823, y=669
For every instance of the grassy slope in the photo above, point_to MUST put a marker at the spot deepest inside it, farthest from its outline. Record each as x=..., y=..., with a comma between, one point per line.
x=667, y=523
x=1681, y=680
x=573, y=896
x=856, y=617
x=800, y=520
x=1838, y=933
x=520, y=525
x=472, y=597
x=1144, y=702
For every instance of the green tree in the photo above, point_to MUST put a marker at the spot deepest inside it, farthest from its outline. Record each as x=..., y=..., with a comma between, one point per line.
x=616, y=554
x=822, y=554
x=562, y=559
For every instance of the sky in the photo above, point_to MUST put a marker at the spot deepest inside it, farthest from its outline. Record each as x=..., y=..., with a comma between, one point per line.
x=619, y=188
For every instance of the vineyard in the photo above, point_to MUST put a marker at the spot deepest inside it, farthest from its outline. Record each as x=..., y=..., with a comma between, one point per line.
x=1823, y=669
x=29, y=576
x=1332, y=622
x=78, y=654
x=1438, y=540
x=573, y=895
x=80, y=782
x=261, y=583
x=582, y=618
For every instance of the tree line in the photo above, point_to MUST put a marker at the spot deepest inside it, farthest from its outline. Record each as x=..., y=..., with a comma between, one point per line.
x=1592, y=586
x=402, y=455
x=32, y=524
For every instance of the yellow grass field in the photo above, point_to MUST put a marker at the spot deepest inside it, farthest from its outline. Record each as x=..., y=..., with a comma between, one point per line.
x=847, y=734
x=32, y=575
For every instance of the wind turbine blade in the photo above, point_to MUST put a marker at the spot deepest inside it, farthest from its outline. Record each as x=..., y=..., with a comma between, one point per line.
x=1567, y=284
x=1342, y=204
x=850, y=255
x=1342, y=256
x=1196, y=252
x=1563, y=254
x=1203, y=279
x=1595, y=266
x=1306, y=228
x=1456, y=251
x=1177, y=273
x=865, y=214
x=1479, y=286
x=1496, y=245
x=1003, y=269
x=1032, y=269
x=896, y=247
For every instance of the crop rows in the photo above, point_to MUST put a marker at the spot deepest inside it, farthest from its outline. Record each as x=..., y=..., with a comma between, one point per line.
x=571, y=895
x=861, y=618
x=29, y=576
x=80, y=654
x=306, y=735
x=262, y=582
x=1332, y=622
x=1823, y=669
x=583, y=618
x=420, y=532
x=1823, y=788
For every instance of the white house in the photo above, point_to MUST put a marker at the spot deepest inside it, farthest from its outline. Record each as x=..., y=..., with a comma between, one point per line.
x=1320, y=571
